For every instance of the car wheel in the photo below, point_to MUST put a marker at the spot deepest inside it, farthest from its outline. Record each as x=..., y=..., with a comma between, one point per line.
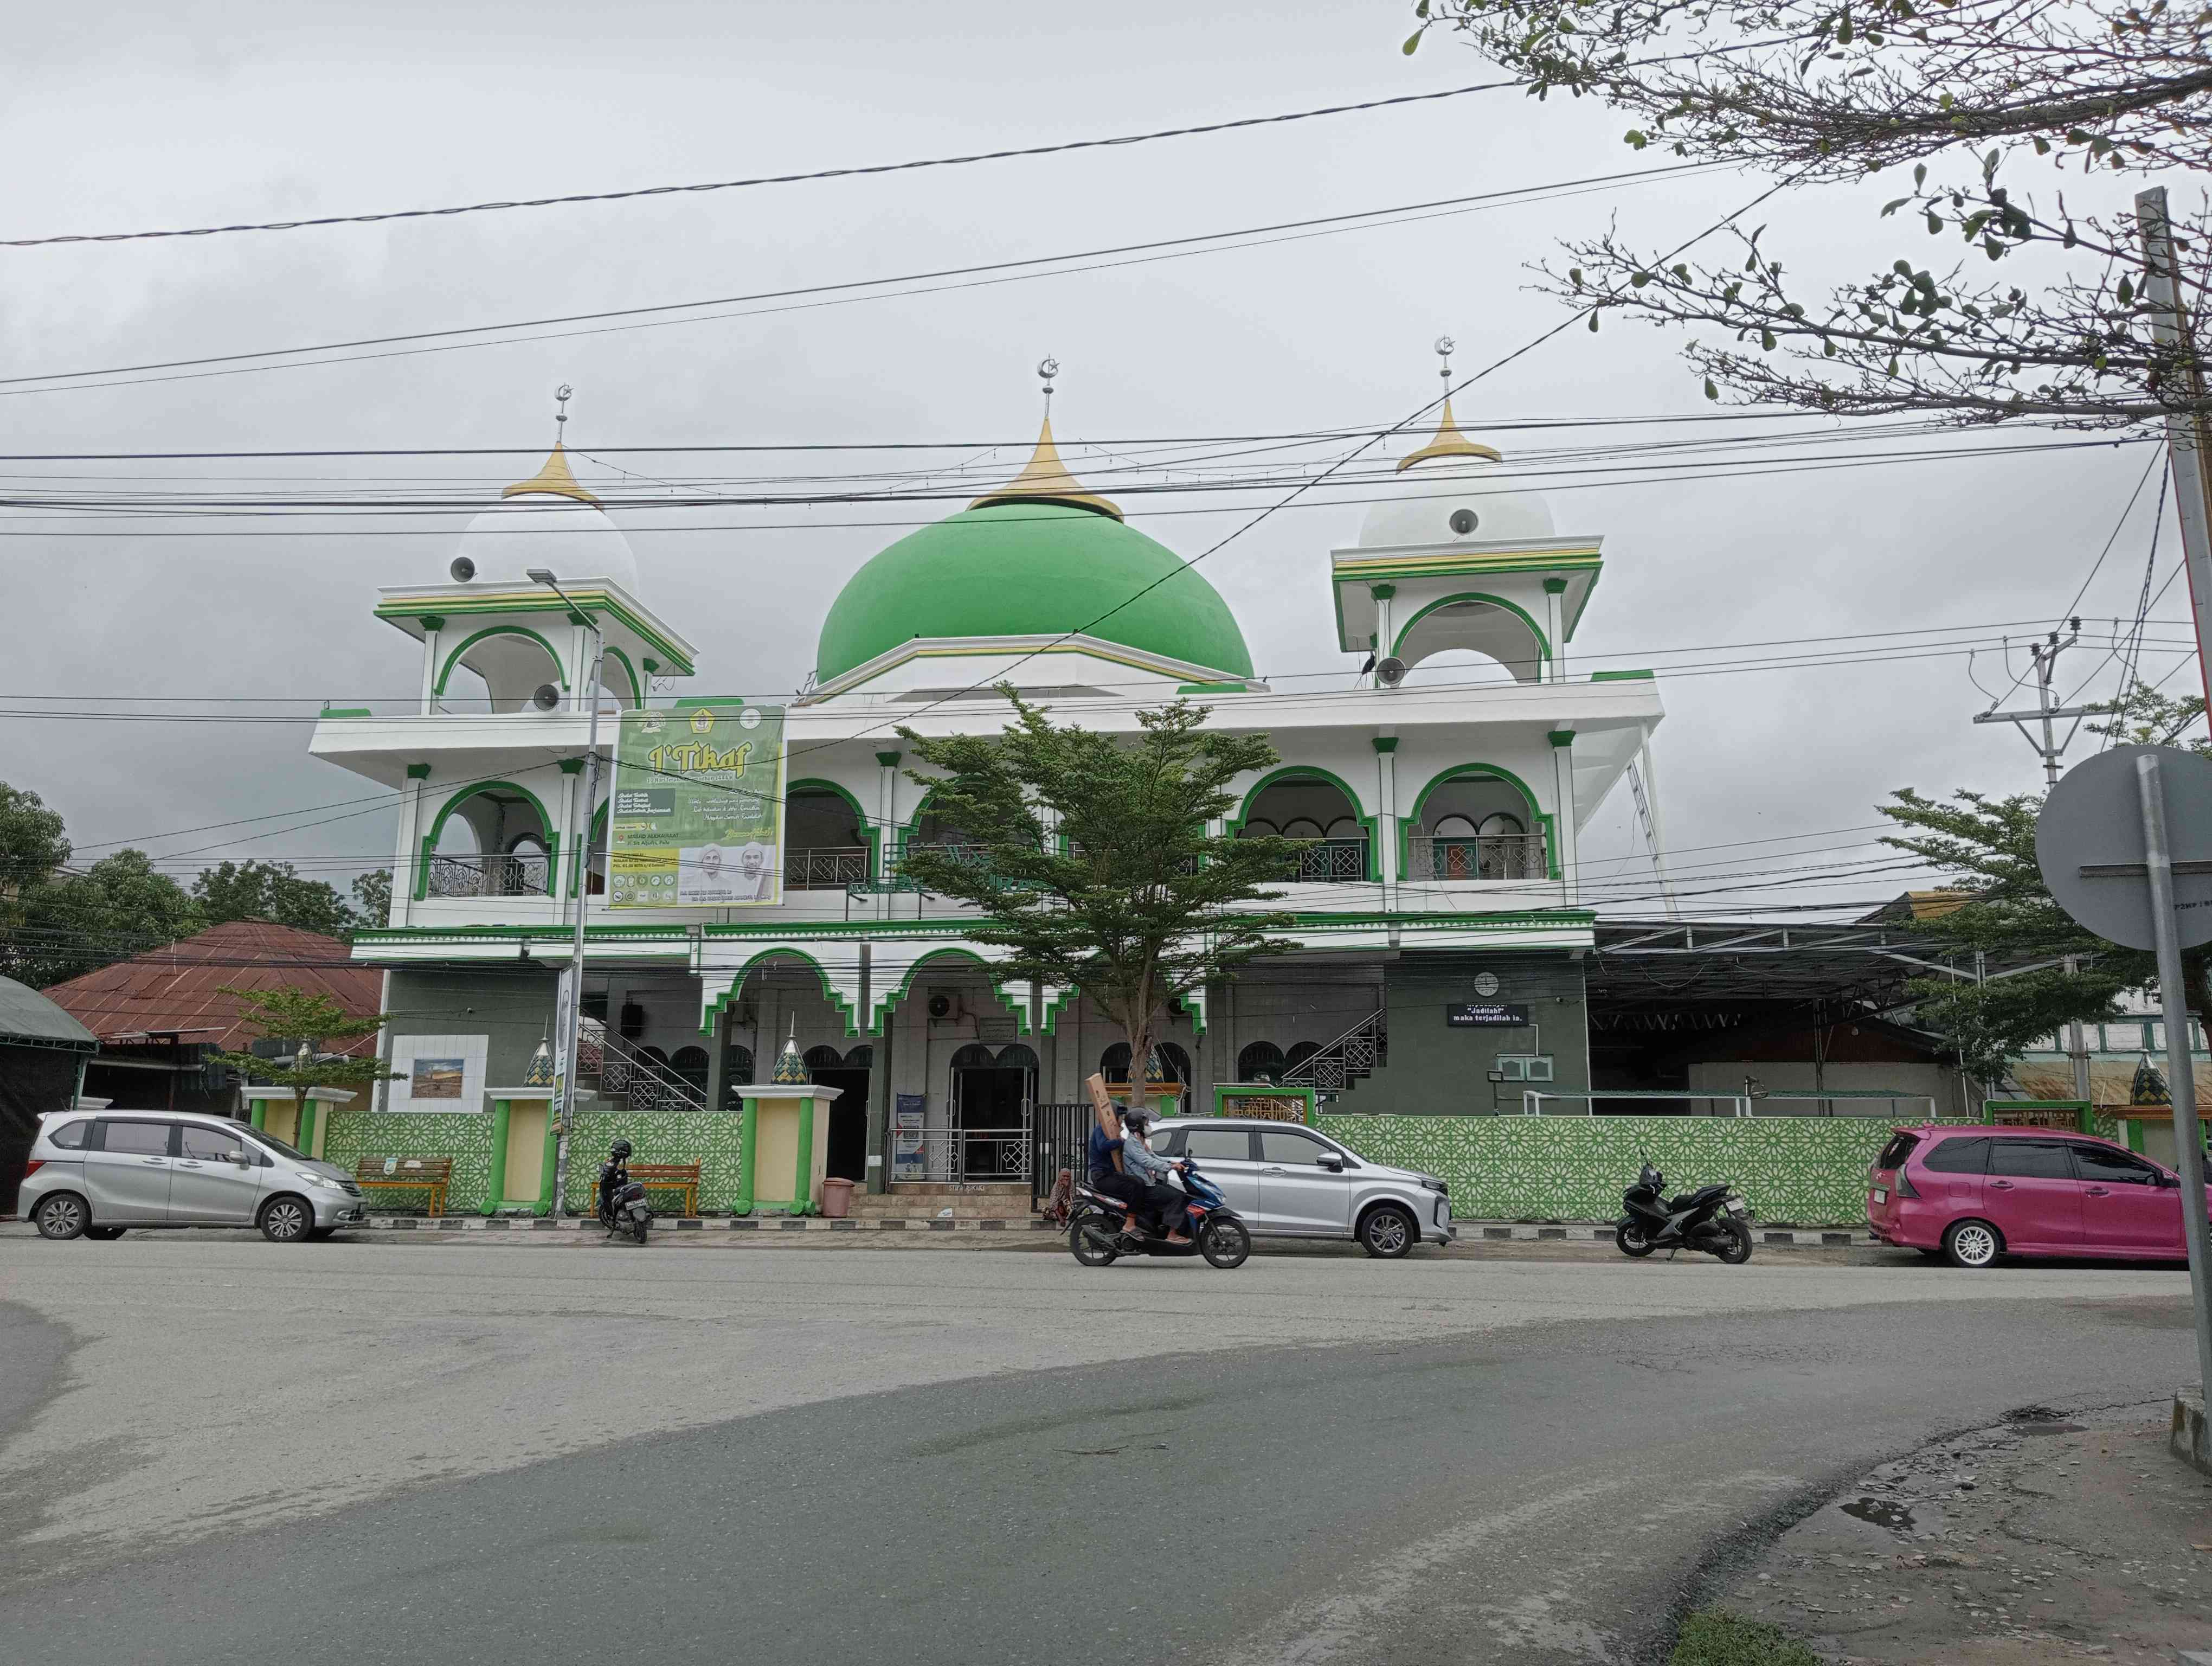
x=1630, y=1241
x=103, y=1234
x=287, y=1219
x=1388, y=1232
x=61, y=1216
x=1972, y=1244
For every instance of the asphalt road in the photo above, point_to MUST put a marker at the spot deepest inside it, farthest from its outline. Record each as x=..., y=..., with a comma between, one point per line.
x=940, y=1459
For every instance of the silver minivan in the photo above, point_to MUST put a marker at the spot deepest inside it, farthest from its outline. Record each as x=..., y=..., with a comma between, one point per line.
x=1287, y=1181
x=97, y=1174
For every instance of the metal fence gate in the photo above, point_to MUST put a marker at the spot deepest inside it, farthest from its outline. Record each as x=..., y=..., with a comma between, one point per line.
x=1059, y=1139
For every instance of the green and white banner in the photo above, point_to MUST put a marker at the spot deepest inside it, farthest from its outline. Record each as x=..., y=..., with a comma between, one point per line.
x=697, y=817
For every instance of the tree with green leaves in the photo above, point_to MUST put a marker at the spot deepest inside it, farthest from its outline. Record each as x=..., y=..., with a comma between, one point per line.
x=34, y=844
x=273, y=892
x=298, y=1017
x=1973, y=99
x=77, y=923
x=372, y=898
x=1088, y=857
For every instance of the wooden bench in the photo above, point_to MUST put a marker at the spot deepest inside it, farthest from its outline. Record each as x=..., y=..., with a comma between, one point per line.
x=430, y=1174
x=669, y=1176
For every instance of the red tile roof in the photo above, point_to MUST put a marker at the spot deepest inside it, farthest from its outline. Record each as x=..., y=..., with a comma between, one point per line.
x=179, y=987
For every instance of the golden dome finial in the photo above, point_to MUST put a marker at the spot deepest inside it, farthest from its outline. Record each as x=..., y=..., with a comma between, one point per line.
x=1045, y=479
x=1448, y=441
x=554, y=480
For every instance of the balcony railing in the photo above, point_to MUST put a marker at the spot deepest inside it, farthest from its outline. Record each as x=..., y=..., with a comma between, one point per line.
x=1505, y=856
x=488, y=876
x=828, y=868
x=1322, y=860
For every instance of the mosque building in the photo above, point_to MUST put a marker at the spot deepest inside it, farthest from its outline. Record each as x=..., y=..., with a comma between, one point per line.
x=1439, y=938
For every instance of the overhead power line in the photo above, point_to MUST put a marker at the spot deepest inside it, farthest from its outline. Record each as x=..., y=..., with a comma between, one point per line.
x=962, y=160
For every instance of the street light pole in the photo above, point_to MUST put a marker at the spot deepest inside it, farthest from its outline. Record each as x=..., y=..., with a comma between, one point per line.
x=571, y=1001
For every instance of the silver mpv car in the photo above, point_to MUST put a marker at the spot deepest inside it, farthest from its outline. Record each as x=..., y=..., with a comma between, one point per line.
x=97, y=1174
x=1290, y=1181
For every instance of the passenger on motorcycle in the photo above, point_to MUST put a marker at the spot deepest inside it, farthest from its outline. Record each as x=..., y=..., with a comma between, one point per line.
x=1107, y=1178
x=1137, y=1160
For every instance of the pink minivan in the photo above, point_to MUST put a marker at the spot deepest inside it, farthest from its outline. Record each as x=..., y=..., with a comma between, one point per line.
x=1973, y=1194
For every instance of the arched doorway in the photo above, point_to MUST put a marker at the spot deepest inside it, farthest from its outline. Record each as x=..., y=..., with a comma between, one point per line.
x=848, y=1111
x=992, y=1092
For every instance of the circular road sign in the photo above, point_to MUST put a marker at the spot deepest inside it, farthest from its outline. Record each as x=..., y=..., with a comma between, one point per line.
x=2089, y=845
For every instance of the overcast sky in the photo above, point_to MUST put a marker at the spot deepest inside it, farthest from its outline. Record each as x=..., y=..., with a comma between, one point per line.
x=188, y=115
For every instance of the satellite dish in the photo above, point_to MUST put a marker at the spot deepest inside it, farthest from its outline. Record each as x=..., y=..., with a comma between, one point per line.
x=463, y=569
x=546, y=698
x=1390, y=672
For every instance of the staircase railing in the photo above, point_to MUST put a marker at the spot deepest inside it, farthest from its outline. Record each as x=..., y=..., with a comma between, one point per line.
x=1359, y=1052
x=621, y=1070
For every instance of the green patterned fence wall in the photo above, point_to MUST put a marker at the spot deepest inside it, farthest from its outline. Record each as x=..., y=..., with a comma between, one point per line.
x=708, y=1138
x=1802, y=1170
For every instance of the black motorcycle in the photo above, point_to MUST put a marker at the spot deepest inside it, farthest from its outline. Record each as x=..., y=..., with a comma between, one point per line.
x=1094, y=1237
x=1713, y=1219
x=622, y=1203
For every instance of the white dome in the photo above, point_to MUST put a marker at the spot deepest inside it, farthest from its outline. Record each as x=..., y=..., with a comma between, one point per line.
x=574, y=539
x=1423, y=499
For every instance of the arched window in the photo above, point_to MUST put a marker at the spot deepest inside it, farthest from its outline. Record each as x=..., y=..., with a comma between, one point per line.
x=1299, y=1054
x=656, y=1056
x=824, y=847
x=1174, y=1063
x=1113, y=1063
x=691, y=1063
x=1017, y=1057
x=1317, y=811
x=862, y=1057
x=737, y=1065
x=824, y=1058
x=973, y=1056
x=1262, y=1061
x=1500, y=826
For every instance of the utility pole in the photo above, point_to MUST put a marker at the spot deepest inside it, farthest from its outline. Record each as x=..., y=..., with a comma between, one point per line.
x=2046, y=716
x=2188, y=430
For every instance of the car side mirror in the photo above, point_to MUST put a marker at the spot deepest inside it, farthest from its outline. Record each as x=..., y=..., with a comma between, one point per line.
x=1334, y=1165
x=2173, y=1181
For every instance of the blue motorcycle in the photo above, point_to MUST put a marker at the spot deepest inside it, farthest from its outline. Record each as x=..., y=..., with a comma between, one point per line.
x=1095, y=1238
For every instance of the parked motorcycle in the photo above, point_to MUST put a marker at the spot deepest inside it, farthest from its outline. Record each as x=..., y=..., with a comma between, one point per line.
x=1714, y=1220
x=1095, y=1238
x=622, y=1201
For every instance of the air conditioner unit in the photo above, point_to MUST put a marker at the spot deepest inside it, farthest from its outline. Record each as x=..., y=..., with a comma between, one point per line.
x=947, y=1004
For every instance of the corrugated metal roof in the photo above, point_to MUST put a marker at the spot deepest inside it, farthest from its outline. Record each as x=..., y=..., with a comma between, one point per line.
x=179, y=987
x=27, y=1015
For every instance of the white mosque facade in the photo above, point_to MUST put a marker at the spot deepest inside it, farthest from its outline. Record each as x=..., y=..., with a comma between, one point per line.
x=1440, y=821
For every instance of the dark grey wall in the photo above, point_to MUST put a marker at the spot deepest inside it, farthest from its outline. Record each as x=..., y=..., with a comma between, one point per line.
x=511, y=1006
x=1437, y=1070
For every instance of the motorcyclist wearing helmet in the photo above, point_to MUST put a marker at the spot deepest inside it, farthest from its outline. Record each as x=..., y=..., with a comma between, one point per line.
x=614, y=1175
x=1166, y=1201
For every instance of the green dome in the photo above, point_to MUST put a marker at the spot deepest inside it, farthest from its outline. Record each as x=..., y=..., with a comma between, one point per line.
x=1030, y=569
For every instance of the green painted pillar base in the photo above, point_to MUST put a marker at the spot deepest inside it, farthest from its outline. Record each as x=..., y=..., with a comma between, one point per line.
x=305, y=1131
x=802, y=1184
x=547, y=1163
x=259, y=1115
x=495, y=1192
x=747, y=1129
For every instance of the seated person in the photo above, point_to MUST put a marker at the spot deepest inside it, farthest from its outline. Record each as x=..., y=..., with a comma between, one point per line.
x=1166, y=1201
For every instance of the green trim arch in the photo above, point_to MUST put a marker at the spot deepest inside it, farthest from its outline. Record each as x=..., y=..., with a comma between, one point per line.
x=1541, y=816
x=1234, y=827
x=552, y=836
x=609, y=651
x=871, y=835
x=712, y=1012
x=1543, y=642
x=885, y=1004
x=560, y=671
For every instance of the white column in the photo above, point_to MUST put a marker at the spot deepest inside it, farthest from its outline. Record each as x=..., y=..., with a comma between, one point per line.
x=1563, y=812
x=573, y=826
x=1649, y=769
x=579, y=668
x=1555, y=626
x=1384, y=594
x=887, y=773
x=1386, y=815
x=405, y=863
x=432, y=633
